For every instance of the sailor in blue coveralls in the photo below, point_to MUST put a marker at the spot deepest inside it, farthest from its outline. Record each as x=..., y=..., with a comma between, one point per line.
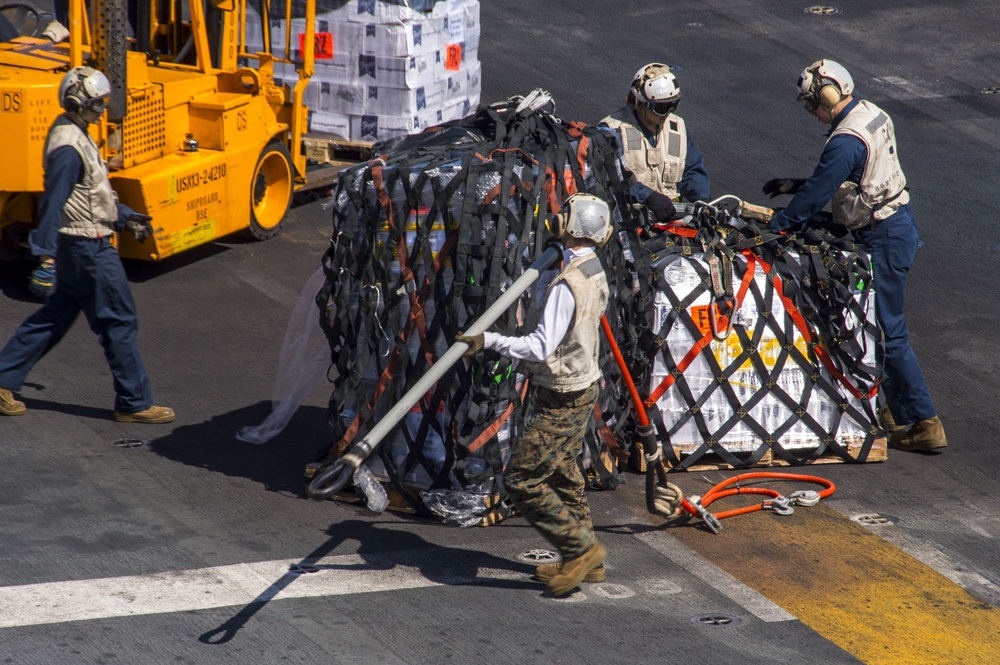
x=860, y=174
x=78, y=213
x=657, y=147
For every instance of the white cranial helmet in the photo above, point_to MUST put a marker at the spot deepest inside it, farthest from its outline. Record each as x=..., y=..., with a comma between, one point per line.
x=586, y=216
x=84, y=88
x=655, y=87
x=824, y=82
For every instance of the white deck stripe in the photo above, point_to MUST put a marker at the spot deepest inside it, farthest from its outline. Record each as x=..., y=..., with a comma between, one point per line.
x=224, y=586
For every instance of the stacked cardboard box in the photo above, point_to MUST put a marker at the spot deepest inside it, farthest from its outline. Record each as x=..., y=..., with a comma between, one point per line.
x=387, y=68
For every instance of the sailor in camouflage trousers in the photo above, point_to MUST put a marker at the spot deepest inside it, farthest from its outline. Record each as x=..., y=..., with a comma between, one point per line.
x=543, y=480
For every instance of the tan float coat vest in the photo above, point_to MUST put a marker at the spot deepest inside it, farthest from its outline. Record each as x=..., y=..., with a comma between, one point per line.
x=92, y=208
x=659, y=167
x=880, y=193
x=574, y=366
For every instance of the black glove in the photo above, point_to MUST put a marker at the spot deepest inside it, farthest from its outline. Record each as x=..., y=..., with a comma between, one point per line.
x=43, y=279
x=475, y=342
x=139, y=225
x=661, y=206
x=776, y=186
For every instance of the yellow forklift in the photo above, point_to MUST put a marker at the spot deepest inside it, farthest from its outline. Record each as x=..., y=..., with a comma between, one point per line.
x=197, y=134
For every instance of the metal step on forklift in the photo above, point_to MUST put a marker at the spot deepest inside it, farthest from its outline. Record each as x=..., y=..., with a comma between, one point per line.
x=197, y=134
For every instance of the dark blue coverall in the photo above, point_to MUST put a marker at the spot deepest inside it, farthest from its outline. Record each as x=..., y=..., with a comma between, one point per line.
x=90, y=278
x=892, y=246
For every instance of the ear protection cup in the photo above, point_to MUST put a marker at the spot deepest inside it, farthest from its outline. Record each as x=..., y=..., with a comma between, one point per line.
x=72, y=100
x=632, y=101
x=558, y=225
x=829, y=96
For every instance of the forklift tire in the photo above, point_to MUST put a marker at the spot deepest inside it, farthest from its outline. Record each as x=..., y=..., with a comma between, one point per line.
x=270, y=191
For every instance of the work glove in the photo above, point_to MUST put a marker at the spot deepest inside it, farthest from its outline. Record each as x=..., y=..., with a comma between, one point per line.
x=475, y=342
x=139, y=225
x=43, y=279
x=661, y=206
x=56, y=32
x=776, y=186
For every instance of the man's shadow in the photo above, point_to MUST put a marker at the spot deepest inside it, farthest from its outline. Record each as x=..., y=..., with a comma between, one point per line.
x=441, y=565
x=279, y=465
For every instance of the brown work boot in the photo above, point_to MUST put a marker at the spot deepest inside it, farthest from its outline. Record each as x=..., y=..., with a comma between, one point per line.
x=547, y=571
x=572, y=572
x=154, y=415
x=923, y=435
x=890, y=424
x=10, y=406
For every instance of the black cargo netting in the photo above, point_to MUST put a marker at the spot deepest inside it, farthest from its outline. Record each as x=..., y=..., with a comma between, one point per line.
x=425, y=239
x=427, y=235
x=793, y=376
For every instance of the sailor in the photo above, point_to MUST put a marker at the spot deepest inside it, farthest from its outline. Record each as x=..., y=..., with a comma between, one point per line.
x=78, y=215
x=657, y=147
x=859, y=174
x=543, y=480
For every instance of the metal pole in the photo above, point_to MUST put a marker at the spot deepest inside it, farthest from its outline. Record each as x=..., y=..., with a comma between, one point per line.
x=334, y=478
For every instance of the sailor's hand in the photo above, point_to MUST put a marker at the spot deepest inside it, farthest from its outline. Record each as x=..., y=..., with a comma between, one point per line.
x=661, y=206
x=777, y=186
x=475, y=343
x=139, y=225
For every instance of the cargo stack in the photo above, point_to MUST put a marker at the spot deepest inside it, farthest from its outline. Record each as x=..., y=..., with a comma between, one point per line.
x=424, y=241
x=385, y=69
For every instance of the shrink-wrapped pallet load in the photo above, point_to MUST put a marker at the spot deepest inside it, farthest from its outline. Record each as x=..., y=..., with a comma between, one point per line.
x=384, y=68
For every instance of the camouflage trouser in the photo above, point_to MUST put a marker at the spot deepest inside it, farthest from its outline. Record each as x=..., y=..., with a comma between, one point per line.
x=543, y=479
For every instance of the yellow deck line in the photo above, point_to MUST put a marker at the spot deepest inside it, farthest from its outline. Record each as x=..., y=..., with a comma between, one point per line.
x=852, y=587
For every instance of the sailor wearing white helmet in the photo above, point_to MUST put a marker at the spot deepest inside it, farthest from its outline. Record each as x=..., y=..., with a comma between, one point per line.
x=859, y=174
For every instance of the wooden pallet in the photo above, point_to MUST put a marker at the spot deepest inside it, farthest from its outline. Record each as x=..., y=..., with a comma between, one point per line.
x=335, y=151
x=877, y=453
x=399, y=504
x=326, y=156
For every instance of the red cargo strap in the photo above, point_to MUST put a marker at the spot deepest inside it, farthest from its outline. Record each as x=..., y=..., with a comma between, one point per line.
x=491, y=431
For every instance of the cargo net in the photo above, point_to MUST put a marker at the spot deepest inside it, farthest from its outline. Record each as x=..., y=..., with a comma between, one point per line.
x=426, y=237
x=761, y=347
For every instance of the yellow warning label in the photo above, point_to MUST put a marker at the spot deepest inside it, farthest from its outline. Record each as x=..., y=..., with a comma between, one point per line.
x=198, y=234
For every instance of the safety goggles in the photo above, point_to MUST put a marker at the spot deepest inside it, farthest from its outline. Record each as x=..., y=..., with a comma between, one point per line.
x=662, y=109
x=810, y=104
x=98, y=105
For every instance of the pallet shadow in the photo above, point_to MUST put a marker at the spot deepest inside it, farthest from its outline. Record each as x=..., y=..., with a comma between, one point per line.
x=278, y=465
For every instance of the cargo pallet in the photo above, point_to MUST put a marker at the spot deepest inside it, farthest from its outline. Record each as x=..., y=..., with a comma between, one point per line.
x=877, y=453
x=328, y=155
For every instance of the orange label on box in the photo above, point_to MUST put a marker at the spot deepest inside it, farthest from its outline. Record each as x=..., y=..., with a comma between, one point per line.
x=322, y=45
x=700, y=315
x=453, y=57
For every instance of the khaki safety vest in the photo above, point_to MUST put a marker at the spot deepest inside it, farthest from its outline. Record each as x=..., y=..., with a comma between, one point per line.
x=659, y=167
x=574, y=366
x=881, y=190
x=92, y=208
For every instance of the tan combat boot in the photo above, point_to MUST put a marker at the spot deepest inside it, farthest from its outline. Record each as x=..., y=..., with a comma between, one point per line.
x=890, y=424
x=923, y=435
x=154, y=415
x=572, y=572
x=10, y=406
x=547, y=571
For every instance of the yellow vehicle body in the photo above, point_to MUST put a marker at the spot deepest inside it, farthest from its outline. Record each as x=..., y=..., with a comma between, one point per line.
x=207, y=148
